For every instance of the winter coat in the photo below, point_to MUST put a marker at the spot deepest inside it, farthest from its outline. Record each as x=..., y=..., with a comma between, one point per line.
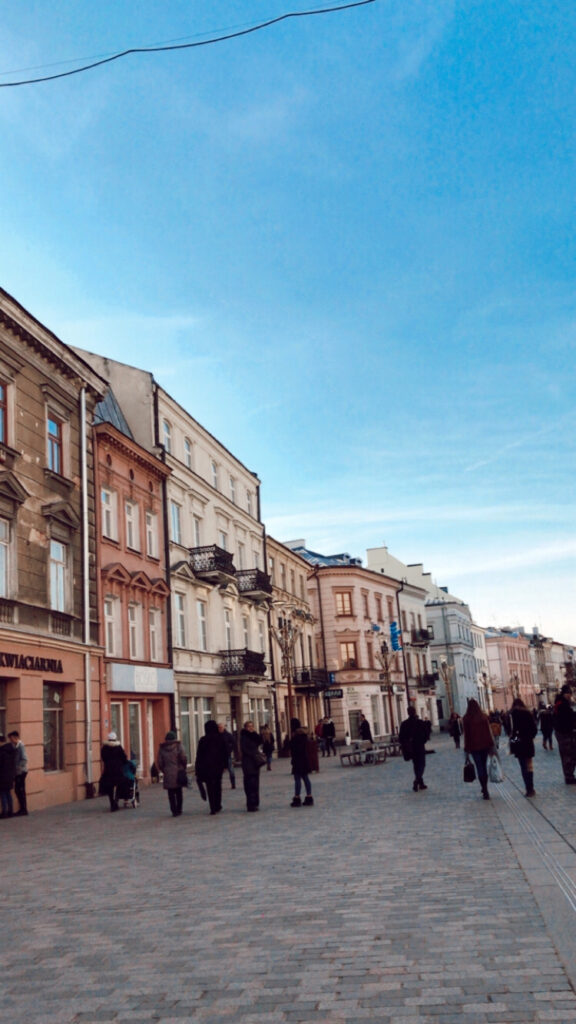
x=171, y=758
x=212, y=754
x=113, y=758
x=299, y=752
x=477, y=732
x=365, y=730
x=524, y=726
x=7, y=766
x=546, y=723
x=328, y=730
x=267, y=742
x=412, y=736
x=249, y=743
x=564, y=717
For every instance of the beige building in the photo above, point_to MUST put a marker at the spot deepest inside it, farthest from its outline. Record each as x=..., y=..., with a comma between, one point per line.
x=215, y=551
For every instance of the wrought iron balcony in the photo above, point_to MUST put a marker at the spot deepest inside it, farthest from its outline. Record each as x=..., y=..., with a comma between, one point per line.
x=427, y=681
x=420, y=637
x=243, y=663
x=253, y=583
x=212, y=564
x=315, y=678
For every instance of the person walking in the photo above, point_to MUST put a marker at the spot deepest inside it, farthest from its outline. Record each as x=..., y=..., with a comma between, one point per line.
x=112, y=781
x=267, y=745
x=7, y=776
x=300, y=764
x=319, y=736
x=546, y=721
x=329, y=735
x=455, y=728
x=21, y=766
x=365, y=730
x=252, y=761
x=211, y=763
x=171, y=760
x=412, y=738
x=478, y=741
x=229, y=741
x=565, y=728
x=524, y=729
x=495, y=727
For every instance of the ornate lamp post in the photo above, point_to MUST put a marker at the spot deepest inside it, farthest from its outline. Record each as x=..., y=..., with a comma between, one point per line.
x=289, y=627
x=383, y=657
x=447, y=671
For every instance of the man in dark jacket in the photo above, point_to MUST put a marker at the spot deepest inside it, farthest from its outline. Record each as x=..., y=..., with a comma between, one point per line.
x=365, y=730
x=211, y=763
x=300, y=764
x=565, y=729
x=412, y=739
x=7, y=776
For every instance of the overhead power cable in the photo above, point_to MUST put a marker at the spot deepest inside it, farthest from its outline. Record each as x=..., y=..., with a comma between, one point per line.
x=186, y=46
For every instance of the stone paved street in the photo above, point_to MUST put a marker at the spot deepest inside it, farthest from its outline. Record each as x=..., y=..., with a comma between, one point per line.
x=377, y=904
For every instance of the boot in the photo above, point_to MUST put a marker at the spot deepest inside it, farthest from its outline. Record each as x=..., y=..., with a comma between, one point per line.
x=485, y=792
x=530, y=791
x=296, y=802
x=308, y=801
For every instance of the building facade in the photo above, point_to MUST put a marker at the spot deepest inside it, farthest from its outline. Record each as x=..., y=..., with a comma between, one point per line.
x=138, y=685
x=50, y=661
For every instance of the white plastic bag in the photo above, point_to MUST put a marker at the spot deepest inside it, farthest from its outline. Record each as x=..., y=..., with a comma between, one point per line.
x=495, y=769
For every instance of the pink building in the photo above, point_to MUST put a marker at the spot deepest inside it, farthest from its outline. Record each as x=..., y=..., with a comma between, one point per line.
x=133, y=593
x=510, y=668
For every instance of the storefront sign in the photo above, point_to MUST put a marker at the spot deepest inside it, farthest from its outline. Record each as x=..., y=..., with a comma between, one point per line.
x=333, y=694
x=29, y=663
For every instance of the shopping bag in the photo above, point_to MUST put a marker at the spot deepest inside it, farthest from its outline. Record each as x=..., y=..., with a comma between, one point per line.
x=495, y=769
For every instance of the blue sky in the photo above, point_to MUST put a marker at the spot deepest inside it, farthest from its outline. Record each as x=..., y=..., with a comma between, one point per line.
x=345, y=243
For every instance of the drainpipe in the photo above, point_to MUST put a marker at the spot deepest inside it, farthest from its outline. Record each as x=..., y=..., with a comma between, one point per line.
x=166, y=540
x=316, y=573
x=86, y=593
x=406, y=682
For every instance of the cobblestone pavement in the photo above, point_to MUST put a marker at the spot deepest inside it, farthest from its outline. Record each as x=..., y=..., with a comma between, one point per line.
x=376, y=904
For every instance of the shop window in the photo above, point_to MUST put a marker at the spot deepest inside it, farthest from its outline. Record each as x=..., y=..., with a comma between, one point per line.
x=194, y=713
x=53, y=699
x=135, y=733
x=117, y=722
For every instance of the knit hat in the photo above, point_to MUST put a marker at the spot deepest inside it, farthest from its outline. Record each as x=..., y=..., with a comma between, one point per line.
x=170, y=735
x=112, y=736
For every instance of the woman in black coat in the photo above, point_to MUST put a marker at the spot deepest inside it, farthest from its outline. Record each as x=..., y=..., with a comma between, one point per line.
x=524, y=729
x=113, y=780
x=300, y=764
x=211, y=762
x=250, y=741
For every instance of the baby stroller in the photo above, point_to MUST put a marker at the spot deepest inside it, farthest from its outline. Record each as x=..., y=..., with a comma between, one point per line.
x=131, y=793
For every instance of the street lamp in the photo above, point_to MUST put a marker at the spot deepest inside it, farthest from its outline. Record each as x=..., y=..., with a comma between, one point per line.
x=447, y=671
x=289, y=627
x=382, y=656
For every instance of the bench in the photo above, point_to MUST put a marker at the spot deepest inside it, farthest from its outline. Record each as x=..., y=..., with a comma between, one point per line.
x=375, y=754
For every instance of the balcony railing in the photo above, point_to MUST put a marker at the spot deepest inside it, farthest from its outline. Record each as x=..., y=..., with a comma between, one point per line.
x=420, y=637
x=253, y=582
x=427, y=681
x=211, y=562
x=242, y=663
x=314, y=677
x=6, y=610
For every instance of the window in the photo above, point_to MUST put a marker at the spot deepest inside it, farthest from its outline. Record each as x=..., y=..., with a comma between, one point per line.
x=223, y=540
x=196, y=526
x=180, y=619
x=348, y=657
x=108, y=504
x=194, y=713
x=292, y=581
x=282, y=575
x=57, y=576
x=232, y=490
x=152, y=535
x=241, y=554
x=256, y=556
x=302, y=588
x=117, y=721
x=188, y=453
x=378, y=600
x=155, y=634
x=3, y=708
x=271, y=567
x=54, y=444
x=228, y=634
x=53, y=708
x=135, y=631
x=167, y=435
x=3, y=413
x=214, y=471
x=390, y=605
x=112, y=627
x=4, y=557
x=246, y=631
x=249, y=502
x=132, y=526
x=261, y=638
x=135, y=730
x=202, y=634
x=365, y=606
x=344, y=603
x=176, y=522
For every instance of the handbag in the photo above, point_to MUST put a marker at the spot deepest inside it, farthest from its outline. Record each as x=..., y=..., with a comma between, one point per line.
x=260, y=759
x=182, y=778
x=517, y=746
x=495, y=769
x=469, y=771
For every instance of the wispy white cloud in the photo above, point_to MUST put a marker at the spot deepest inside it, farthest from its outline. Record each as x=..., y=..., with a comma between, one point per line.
x=526, y=557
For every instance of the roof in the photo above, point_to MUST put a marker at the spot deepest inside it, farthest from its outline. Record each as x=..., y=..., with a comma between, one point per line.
x=108, y=411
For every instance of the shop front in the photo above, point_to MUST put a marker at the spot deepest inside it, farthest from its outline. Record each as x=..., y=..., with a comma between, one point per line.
x=49, y=694
x=137, y=706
